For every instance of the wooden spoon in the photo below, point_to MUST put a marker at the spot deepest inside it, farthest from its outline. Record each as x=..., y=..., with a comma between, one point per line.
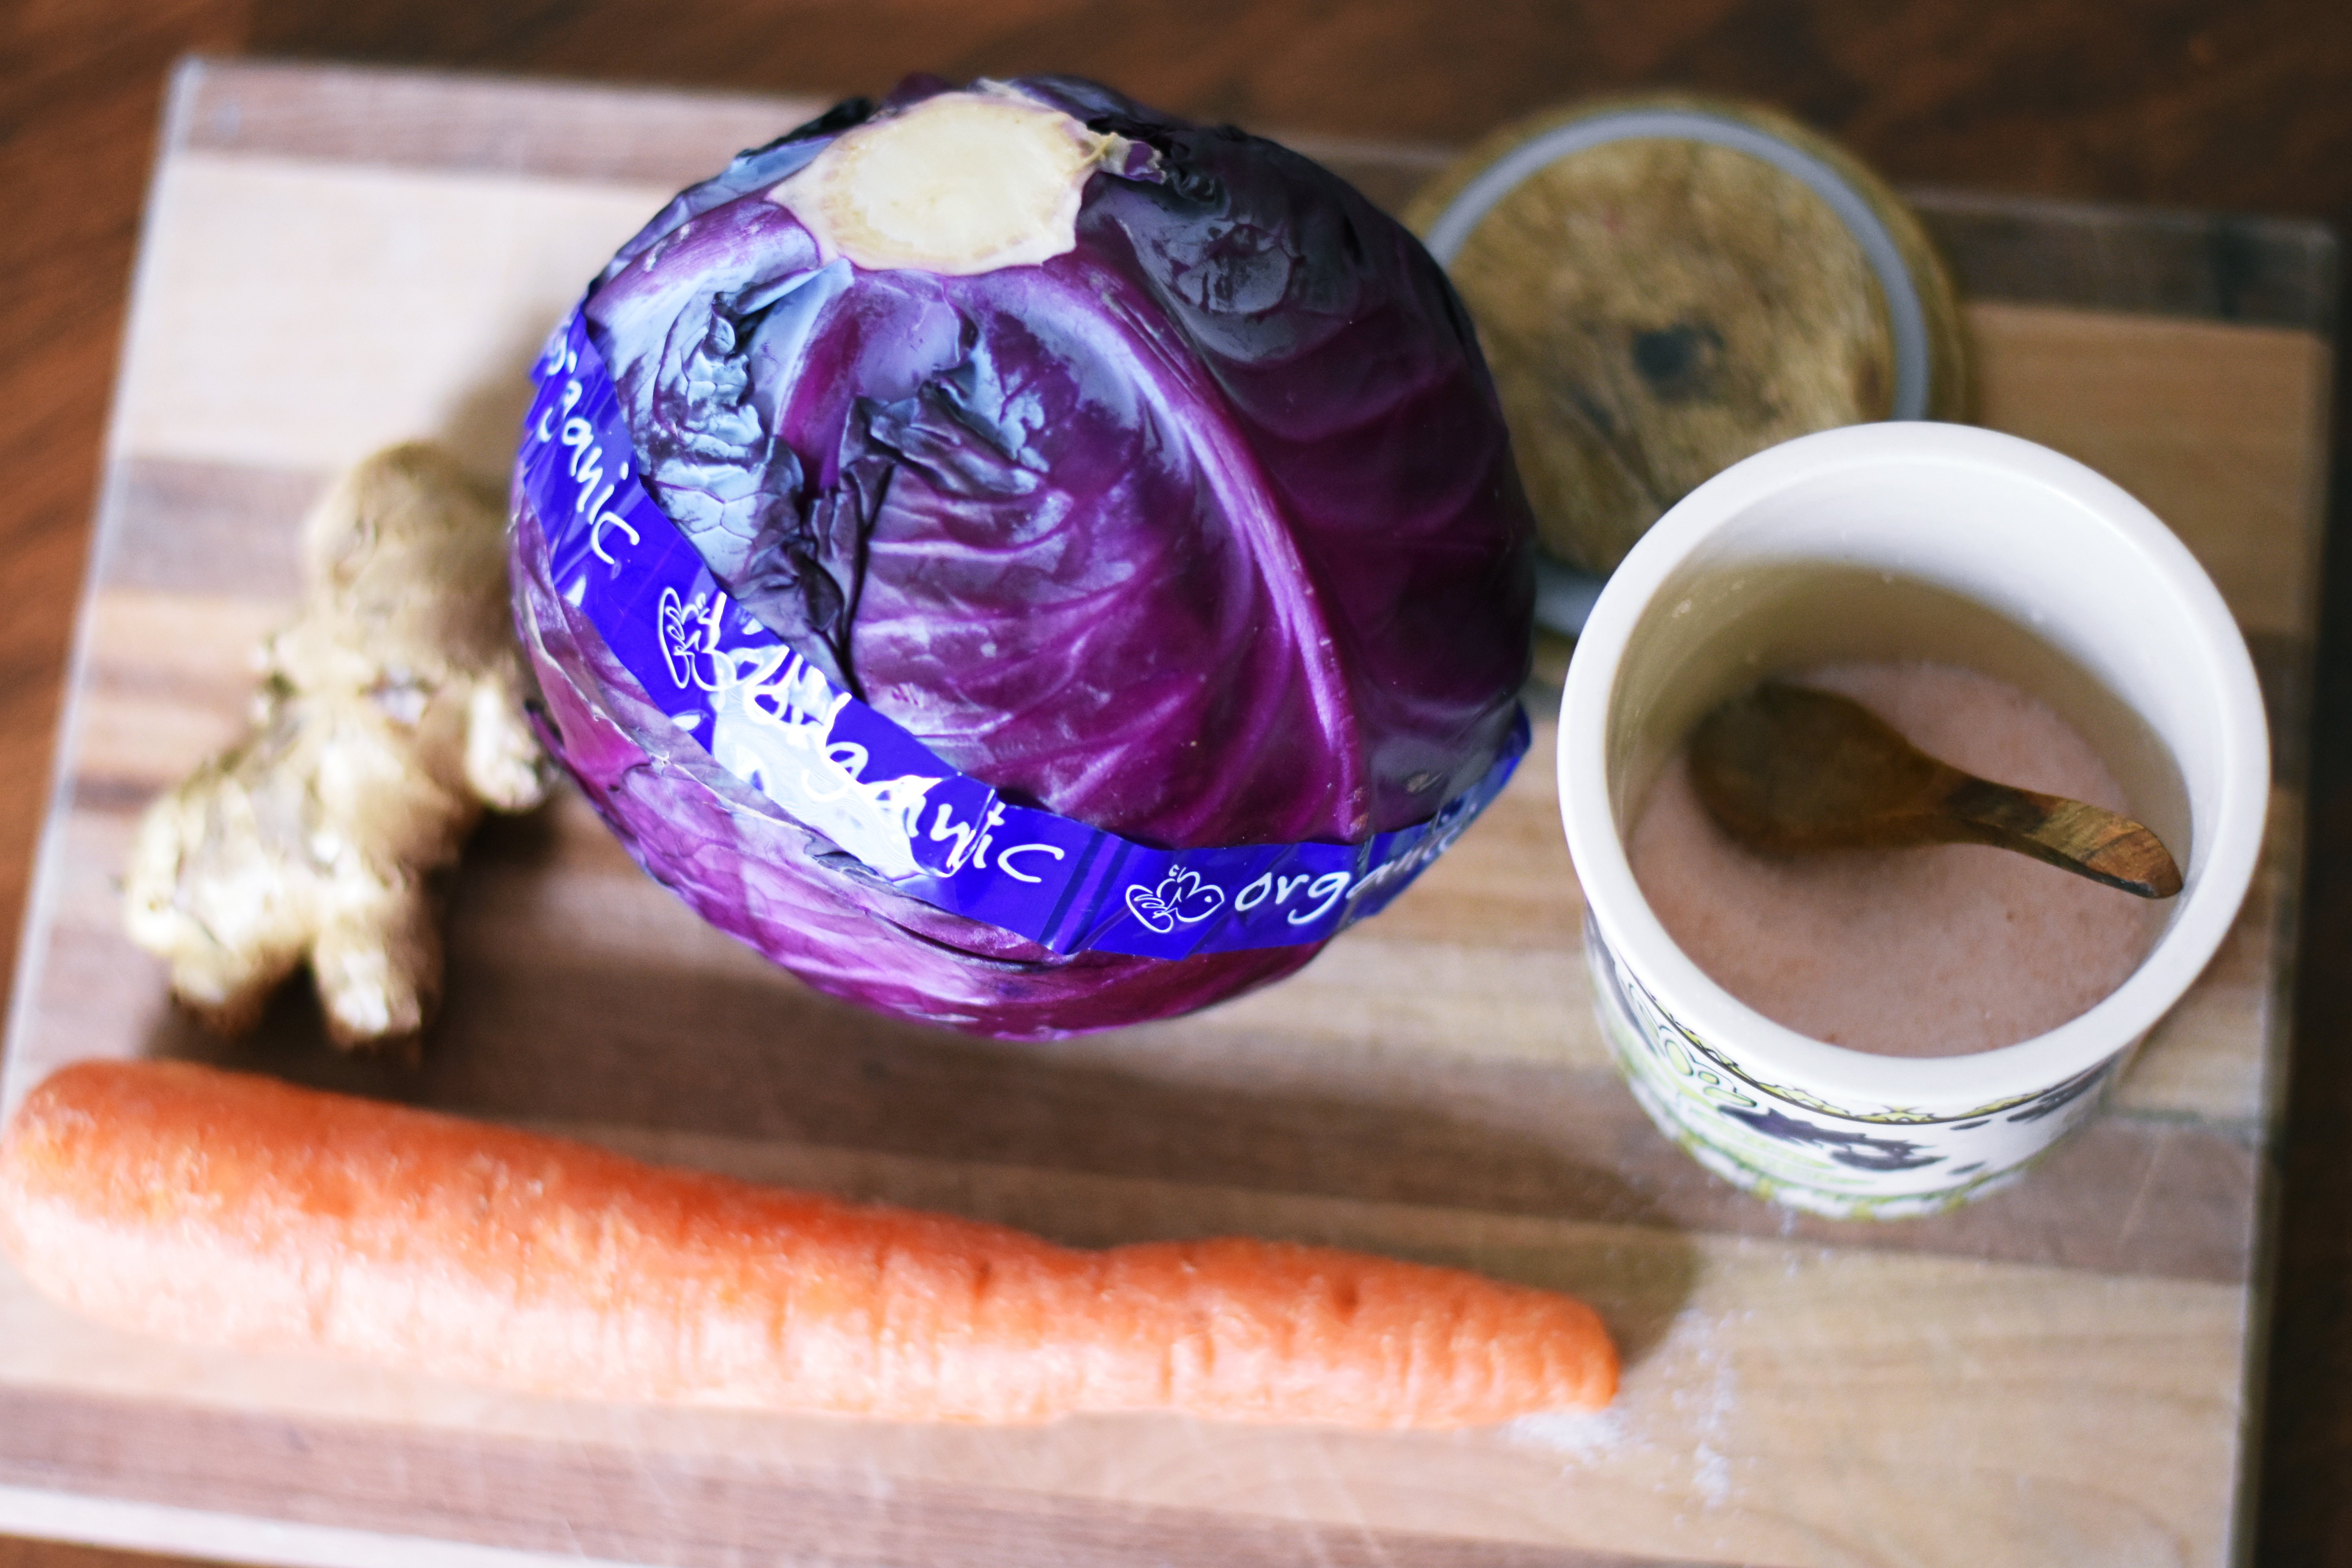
x=1786, y=768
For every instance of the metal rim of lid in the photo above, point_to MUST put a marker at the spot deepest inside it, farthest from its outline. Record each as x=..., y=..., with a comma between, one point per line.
x=1906, y=315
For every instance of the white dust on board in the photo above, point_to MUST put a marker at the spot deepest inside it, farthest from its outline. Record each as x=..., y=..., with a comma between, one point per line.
x=1673, y=1418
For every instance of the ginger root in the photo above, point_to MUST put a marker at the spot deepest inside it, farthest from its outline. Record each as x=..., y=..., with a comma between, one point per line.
x=389, y=714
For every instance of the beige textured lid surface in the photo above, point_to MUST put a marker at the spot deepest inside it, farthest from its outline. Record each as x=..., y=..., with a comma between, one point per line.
x=1665, y=285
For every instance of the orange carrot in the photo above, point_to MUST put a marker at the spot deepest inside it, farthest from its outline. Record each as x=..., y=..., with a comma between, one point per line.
x=234, y=1210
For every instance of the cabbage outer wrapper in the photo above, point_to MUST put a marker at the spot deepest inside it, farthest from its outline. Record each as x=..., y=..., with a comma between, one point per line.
x=746, y=867
x=1205, y=532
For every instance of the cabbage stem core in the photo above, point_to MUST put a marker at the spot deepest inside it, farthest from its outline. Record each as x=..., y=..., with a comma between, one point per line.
x=961, y=183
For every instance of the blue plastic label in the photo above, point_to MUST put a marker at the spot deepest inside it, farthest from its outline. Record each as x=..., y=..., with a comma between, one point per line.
x=845, y=771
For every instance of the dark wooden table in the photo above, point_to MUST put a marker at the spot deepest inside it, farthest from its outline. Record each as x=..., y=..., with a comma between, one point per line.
x=2245, y=108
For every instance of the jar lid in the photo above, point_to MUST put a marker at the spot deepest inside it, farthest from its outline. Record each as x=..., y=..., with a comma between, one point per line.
x=1664, y=286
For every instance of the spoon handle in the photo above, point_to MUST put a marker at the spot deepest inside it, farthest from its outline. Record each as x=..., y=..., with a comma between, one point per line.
x=2089, y=840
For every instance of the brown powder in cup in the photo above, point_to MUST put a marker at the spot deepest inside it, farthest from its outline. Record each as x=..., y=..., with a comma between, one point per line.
x=1932, y=952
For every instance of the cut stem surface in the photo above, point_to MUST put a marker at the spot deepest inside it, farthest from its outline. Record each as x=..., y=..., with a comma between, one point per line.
x=959, y=184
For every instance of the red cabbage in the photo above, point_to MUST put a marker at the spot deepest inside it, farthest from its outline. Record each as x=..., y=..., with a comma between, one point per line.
x=1204, y=531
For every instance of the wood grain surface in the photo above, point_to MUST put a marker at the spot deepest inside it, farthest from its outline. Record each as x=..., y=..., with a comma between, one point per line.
x=2242, y=110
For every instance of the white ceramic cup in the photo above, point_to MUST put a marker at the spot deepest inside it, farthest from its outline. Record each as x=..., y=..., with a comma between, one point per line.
x=1902, y=541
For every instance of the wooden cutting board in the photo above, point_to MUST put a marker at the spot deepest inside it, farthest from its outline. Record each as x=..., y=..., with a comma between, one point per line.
x=335, y=260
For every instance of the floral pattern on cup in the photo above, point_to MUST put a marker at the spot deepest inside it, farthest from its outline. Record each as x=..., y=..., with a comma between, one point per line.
x=1886, y=1163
